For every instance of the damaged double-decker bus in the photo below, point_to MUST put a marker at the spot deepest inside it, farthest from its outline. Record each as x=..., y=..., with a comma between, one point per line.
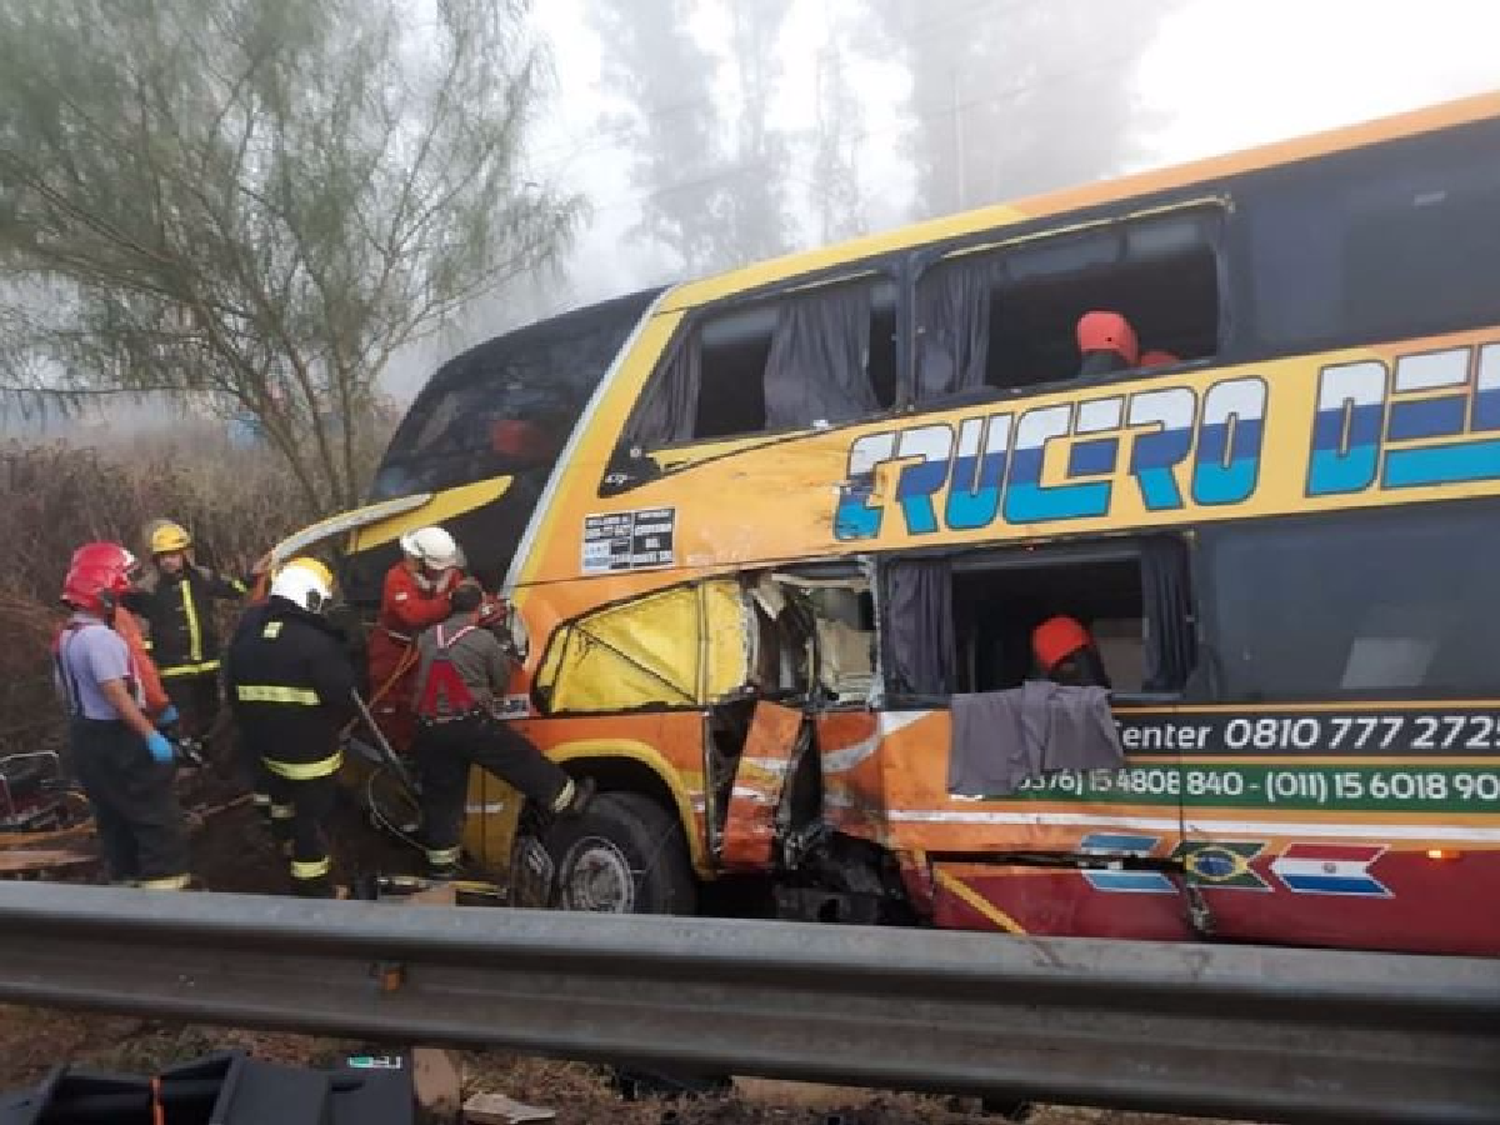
x=777, y=543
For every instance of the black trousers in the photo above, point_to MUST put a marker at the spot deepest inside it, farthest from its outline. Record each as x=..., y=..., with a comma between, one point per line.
x=141, y=829
x=254, y=772
x=445, y=752
x=196, y=698
x=300, y=811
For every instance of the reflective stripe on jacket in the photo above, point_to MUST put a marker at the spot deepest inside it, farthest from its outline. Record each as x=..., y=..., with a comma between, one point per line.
x=179, y=610
x=290, y=683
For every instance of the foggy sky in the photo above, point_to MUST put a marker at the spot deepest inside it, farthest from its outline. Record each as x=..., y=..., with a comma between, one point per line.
x=1218, y=76
x=1221, y=75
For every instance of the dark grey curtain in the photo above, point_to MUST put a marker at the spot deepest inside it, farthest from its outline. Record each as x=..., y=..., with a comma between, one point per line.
x=919, y=644
x=1170, y=655
x=816, y=370
x=668, y=408
x=953, y=310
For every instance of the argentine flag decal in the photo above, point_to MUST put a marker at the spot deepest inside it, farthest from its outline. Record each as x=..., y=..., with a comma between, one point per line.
x=1118, y=879
x=1330, y=869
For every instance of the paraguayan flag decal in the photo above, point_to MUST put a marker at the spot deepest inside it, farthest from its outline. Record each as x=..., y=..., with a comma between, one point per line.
x=1330, y=869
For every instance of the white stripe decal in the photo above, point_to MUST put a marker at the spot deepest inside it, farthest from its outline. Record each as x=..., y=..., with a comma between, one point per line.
x=886, y=723
x=565, y=458
x=1205, y=828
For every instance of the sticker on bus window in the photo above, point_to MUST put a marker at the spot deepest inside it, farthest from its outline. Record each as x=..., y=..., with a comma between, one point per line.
x=617, y=541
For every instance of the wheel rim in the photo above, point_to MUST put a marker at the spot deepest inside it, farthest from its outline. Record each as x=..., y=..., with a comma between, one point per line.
x=597, y=877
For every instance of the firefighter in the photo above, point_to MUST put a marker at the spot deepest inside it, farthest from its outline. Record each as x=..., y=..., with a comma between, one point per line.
x=176, y=601
x=414, y=596
x=462, y=671
x=1066, y=654
x=122, y=761
x=1107, y=343
x=291, y=685
x=157, y=704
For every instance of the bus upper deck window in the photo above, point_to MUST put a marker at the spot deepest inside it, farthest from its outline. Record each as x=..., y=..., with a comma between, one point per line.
x=817, y=356
x=1383, y=242
x=1009, y=318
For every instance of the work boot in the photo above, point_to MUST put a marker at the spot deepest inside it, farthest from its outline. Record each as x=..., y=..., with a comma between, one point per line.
x=575, y=798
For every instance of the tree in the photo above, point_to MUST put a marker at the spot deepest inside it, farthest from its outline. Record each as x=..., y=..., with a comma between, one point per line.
x=836, y=194
x=711, y=179
x=261, y=199
x=757, y=222
x=665, y=78
x=1015, y=96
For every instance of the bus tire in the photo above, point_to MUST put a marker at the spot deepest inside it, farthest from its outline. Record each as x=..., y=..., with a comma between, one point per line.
x=625, y=855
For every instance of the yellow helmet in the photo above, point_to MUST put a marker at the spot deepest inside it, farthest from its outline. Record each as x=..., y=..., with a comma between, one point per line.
x=169, y=537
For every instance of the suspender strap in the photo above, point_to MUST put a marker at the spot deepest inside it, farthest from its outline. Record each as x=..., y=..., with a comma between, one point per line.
x=65, y=673
x=444, y=686
x=449, y=642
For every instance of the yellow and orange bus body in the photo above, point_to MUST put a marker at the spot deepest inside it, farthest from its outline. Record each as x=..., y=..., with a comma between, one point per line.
x=1367, y=819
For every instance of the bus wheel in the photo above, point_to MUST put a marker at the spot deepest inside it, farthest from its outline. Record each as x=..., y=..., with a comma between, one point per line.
x=625, y=855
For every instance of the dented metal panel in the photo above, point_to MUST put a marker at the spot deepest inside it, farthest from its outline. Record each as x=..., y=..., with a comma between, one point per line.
x=727, y=644
x=750, y=824
x=678, y=647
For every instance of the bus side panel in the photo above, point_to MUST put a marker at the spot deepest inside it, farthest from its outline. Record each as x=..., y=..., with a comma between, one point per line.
x=666, y=745
x=886, y=779
x=1134, y=905
x=892, y=787
x=1296, y=833
x=1265, y=869
x=1360, y=893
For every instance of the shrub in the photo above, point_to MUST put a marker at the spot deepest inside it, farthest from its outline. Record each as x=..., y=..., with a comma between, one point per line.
x=236, y=503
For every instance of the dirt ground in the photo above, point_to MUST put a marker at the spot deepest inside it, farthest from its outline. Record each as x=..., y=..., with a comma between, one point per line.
x=33, y=1041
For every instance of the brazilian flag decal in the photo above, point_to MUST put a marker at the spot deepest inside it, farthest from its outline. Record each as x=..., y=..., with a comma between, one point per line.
x=1222, y=866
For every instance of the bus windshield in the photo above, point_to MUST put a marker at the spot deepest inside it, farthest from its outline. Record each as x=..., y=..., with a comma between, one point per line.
x=508, y=405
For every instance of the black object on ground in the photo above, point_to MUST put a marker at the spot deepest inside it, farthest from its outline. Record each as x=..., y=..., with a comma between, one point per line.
x=224, y=1088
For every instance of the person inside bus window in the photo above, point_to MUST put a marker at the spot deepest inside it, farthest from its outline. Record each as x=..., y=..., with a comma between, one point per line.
x=1066, y=654
x=1106, y=343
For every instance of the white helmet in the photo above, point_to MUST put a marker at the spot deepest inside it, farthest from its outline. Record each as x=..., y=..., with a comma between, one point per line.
x=304, y=582
x=433, y=546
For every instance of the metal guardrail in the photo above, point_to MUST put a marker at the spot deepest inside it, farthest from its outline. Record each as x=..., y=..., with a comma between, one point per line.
x=1249, y=1032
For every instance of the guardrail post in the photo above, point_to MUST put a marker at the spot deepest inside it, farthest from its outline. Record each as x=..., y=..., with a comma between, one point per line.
x=437, y=1075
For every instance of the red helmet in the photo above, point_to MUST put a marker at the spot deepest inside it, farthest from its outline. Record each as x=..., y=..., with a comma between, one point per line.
x=106, y=554
x=1056, y=639
x=1103, y=331
x=94, y=588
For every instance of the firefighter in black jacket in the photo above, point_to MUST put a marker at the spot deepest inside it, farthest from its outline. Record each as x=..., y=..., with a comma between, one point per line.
x=176, y=601
x=290, y=683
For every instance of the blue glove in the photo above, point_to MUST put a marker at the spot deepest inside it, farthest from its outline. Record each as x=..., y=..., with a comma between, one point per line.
x=168, y=717
x=161, y=749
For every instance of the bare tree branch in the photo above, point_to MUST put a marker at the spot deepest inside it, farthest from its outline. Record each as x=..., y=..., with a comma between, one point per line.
x=260, y=201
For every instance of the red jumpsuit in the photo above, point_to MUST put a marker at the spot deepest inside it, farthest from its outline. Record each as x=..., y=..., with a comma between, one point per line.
x=408, y=604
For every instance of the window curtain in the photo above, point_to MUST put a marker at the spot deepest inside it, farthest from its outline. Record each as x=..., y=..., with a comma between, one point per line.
x=919, y=637
x=953, y=310
x=816, y=371
x=668, y=408
x=1171, y=645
